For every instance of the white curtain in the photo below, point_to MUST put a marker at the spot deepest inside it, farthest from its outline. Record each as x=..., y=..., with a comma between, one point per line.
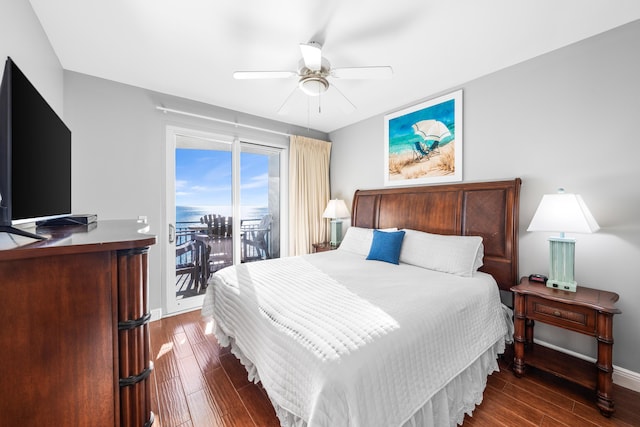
x=309, y=193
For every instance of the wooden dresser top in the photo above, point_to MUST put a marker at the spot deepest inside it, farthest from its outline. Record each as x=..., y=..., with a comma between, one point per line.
x=100, y=236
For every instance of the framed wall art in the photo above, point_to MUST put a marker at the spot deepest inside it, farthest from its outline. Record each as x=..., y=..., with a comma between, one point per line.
x=423, y=143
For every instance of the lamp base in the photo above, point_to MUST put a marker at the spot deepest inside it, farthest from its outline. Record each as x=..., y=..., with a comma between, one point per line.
x=561, y=263
x=336, y=232
x=565, y=286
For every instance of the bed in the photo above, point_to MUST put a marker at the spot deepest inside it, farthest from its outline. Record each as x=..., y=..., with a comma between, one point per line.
x=400, y=326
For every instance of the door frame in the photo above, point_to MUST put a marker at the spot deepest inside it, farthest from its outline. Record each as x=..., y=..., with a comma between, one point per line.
x=173, y=306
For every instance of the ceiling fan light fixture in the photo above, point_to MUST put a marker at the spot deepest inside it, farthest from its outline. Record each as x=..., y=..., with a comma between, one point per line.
x=313, y=85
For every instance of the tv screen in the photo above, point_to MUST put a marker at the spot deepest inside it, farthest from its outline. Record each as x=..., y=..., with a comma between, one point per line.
x=35, y=153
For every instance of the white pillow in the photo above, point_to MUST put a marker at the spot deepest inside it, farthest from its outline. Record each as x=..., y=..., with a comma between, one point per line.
x=479, y=262
x=358, y=240
x=459, y=255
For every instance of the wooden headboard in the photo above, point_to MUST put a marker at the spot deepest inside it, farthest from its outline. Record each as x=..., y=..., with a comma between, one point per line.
x=487, y=209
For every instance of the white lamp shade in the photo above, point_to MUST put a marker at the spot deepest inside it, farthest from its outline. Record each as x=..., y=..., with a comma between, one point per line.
x=336, y=208
x=563, y=212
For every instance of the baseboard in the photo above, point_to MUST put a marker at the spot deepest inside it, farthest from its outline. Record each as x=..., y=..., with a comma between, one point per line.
x=156, y=314
x=622, y=377
x=626, y=378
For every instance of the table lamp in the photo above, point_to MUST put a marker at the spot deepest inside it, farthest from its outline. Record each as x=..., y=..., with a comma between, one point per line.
x=336, y=210
x=562, y=212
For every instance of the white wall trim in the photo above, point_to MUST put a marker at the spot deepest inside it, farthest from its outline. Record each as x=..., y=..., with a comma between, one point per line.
x=626, y=378
x=227, y=122
x=156, y=314
x=622, y=377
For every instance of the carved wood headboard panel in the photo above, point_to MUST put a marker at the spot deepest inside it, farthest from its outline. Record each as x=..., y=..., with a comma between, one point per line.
x=487, y=209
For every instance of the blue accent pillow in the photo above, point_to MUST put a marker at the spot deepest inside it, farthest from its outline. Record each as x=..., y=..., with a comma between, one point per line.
x=386, y=246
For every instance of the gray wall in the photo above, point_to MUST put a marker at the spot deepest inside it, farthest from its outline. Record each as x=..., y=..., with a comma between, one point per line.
x=565, y=119
x=119, y=153
x=23, y=39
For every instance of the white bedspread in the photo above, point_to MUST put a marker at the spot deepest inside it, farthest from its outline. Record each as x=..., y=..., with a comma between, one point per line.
x=340, y=341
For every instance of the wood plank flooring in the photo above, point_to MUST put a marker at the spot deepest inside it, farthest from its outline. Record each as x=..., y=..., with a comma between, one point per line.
x=196, y=383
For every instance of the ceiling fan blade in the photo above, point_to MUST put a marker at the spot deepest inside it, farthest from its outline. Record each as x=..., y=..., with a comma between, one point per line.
x=334, y=97
x=287, y=105
x=375, y=72
x=246, y=75
x=312, y=55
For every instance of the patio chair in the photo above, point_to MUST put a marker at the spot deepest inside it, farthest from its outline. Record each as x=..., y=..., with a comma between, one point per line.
x=435, y=147
x=217, y=225
x=420, y=151
x=255, y=240
x=188, y=262
x=216, y=245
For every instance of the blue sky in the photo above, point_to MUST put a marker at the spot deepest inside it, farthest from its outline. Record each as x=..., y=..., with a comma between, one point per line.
x=203, y=178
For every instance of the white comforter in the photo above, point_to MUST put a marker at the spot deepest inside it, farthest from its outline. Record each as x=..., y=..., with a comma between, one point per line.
x=340, y=341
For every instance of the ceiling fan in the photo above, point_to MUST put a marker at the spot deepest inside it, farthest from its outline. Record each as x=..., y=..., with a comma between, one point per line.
x=314, y=72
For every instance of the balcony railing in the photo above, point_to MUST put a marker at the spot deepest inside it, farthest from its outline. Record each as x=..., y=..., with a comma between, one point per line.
x=202, y=248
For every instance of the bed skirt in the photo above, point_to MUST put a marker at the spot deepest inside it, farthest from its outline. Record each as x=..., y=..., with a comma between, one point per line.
x=447, y=406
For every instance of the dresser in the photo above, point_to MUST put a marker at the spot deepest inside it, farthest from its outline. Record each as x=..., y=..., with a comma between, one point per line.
x=74, y=327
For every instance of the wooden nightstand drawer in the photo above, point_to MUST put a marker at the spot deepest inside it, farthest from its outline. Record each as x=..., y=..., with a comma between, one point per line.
x=576, y=318
x=324, y=246
x=588, y=311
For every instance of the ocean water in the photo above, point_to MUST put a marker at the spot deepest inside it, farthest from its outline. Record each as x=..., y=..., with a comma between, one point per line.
x=192, y=214
x=402, y=136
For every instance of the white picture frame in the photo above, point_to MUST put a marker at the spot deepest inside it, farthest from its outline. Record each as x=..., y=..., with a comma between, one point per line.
x=423, y=144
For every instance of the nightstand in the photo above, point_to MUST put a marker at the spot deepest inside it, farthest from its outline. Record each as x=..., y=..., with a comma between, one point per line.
x=324, y=246
x=588, y=311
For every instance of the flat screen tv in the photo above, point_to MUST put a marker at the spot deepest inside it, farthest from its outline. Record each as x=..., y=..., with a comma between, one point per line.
x=35, y=156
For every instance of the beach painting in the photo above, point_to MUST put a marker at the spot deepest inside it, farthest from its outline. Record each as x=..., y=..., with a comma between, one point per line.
x=423, y=143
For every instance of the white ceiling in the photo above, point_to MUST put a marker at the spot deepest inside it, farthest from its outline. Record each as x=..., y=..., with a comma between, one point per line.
x=190, y=48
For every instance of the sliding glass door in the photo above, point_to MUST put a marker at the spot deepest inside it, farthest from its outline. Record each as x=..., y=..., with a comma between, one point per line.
x=259, y=202
x=222, y=209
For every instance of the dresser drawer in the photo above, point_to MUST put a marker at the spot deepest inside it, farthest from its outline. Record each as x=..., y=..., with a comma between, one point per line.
x=576, y=318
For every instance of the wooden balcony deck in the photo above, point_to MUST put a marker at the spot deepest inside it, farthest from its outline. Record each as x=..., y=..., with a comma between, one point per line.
x=212, y=253
x=217, y=255
x=185, y=286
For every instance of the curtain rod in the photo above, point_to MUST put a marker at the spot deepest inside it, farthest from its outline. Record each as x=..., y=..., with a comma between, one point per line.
x=185, y=113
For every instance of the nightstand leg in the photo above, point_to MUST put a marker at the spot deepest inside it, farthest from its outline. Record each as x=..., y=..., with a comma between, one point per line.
x=528, y=332
x=605, y=363
x=519, y=338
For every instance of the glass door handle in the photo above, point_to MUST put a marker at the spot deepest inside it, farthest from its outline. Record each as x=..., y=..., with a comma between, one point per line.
x=172, y=233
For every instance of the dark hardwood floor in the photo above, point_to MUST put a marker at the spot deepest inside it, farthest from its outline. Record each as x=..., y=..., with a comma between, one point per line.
x=196, y=383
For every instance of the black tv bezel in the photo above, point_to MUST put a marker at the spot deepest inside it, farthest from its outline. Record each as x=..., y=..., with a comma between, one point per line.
x=7, y=221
